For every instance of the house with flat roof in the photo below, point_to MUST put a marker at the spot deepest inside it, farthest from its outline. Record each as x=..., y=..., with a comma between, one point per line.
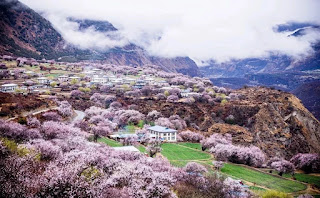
x=9, y=87
x=76, y=78
x=163, y=133
x=96, y=79
x=43, y=80
x=63, y=78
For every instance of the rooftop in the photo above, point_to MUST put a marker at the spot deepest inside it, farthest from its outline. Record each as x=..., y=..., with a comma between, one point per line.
x=162, y=129
x=9, y=85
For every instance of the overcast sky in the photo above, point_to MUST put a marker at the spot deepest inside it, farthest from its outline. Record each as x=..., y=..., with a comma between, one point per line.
x=202, y=30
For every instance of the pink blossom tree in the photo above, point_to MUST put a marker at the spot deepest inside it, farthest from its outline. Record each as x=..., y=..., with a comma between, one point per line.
x=215, y=139
x=33, y=122
x=283, y=166
x=189, y=136
x=76, y=93
x=251, y=156
x=65, y=109
x=218, y=164
x=195, y=168
x=130, y=140
x=172, y=98
x=47, y=149
x=154, y=146
x=309, y=163
x=153, y=115
x=102, y=129
x=52, y=116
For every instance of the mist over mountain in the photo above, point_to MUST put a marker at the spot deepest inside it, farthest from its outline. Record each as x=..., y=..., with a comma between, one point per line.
x=67, y=38
x=26, y=33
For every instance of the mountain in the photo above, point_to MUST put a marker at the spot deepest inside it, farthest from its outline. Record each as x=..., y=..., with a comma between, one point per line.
x=23, y=32
x=281, y=68
x=309, y=94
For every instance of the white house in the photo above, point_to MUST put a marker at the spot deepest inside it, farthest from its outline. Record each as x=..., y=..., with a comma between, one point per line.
x=163, y=133
x=162, y=83
x=98, y=80
x=97, y=71
x=74, y=78
x=29, y=72
x=140, y=84
x=185, y=93
x=190, y=94
x=43, y=80
x=9, y=87
x=129, y=80
x=149, y=80
x=89, y=73
x=63, y=78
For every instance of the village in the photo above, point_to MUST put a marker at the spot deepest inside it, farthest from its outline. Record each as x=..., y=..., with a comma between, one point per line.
x=139, y=110
x=21, y=75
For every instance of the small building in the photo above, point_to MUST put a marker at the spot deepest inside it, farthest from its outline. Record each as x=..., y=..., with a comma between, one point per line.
x=165, y=88
x=163, y=133
x=161, y=83
x=185, y=93
x=29, y=73
x=63, y=78
x=149, y=80
x=9, y=87
x=117, y=81
x=129, y=81
x=98, y=80
x=140, y=84
x=43, y=80
x=76, y=78
x=190, y=94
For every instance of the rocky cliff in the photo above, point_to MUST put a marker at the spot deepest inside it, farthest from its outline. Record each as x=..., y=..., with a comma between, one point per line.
x=273, y=120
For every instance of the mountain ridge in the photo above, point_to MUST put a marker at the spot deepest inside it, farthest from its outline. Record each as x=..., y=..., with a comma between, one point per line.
x=24, y=32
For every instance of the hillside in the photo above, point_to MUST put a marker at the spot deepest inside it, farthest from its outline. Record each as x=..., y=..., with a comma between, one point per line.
x=309, y=94
x=273, y=120
x=23, y=32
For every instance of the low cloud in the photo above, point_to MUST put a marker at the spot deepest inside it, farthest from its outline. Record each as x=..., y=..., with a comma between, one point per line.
x=202, y=30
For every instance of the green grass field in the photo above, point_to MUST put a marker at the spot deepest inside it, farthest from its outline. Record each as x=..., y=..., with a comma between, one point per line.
x=306, y=178
x=191, y=145
x=109, y=142
x=262, y=179
x=180, y=155
x=141, y=148
x=310, y=179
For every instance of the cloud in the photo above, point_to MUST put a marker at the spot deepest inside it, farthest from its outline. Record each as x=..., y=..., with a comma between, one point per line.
x=87, y=38
x=201, y=29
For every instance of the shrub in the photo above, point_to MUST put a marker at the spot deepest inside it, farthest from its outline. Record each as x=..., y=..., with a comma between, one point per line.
x=275, y=194
x=52, y=116
x=13, y=130
x=33, y=122
x=172, y=98
x=76, y=93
